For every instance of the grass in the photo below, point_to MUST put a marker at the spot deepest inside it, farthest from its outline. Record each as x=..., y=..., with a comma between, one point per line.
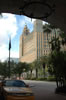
x=50, y=78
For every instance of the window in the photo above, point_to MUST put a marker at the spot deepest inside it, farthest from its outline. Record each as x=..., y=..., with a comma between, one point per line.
x=44, y=45
x=45, y=38
x=14, y=83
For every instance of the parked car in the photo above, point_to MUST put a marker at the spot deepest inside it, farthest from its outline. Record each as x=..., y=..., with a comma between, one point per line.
x=16, y=90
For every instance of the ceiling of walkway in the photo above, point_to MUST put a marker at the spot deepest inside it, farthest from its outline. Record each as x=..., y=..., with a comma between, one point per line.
x=52, y=11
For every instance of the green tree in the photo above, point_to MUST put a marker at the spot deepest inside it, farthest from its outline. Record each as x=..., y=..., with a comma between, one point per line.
x=13, y=66
x=43, y=61
x=57, y=66
x=63, y=37
x=48, y=28
x=4, y=69
x=37, y=65
x=55, y=44
x=20, y=68
x=31, y=67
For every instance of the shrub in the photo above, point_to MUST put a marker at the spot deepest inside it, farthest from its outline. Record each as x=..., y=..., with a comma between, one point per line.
x=50, y=78
x=42, y=79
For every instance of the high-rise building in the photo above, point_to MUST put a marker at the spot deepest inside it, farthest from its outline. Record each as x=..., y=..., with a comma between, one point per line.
x=35, y=44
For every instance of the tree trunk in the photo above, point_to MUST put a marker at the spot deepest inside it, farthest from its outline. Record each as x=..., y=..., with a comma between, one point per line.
x=19, y=76
x=31, y=74
x=55, y=37
x=27, y=75
x=56, y=81
x=36, y=73
x=47, y=36
x=55, y=33
x=44, y=69
x=44, y=72
x=62, y=82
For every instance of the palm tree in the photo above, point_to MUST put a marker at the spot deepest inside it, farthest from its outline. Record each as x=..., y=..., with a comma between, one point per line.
x=37, y=66
x=63, y=36
x=3, y=69
x=57, y=66
x=47, y=29
x=43, y=61
x=19, y=69
x=31, y=67
x=55, y=43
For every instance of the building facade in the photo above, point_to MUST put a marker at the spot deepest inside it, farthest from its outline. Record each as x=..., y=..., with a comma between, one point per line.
x=35, y=44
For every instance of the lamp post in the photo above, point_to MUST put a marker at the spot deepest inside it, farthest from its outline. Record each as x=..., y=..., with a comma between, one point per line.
x=9, y=55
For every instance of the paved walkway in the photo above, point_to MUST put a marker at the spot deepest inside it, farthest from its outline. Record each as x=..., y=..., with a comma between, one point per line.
x=45, y=90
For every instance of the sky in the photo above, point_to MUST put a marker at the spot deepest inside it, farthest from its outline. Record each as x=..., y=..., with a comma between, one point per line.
x=12, y=26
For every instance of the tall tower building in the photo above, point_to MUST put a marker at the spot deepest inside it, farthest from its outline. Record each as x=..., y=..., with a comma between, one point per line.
x=27, y=52
x=38, y=26
x=33, y=45
x=38, y=32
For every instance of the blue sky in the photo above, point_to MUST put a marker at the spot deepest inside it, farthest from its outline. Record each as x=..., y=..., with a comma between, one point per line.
x=21, y=21
x=12, y=25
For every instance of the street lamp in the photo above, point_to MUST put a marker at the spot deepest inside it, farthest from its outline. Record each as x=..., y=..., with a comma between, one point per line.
x=9, y=55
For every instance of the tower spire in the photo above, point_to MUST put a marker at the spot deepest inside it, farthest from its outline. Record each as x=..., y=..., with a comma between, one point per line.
x=26, y=30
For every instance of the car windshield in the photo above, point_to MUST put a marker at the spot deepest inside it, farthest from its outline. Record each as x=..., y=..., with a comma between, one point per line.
x=15, y=83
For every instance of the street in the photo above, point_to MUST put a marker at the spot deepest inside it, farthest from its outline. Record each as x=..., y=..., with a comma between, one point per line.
x=44, y=90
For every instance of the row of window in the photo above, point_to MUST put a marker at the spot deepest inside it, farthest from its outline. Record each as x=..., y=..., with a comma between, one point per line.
x=30, y=51
x=46, y=45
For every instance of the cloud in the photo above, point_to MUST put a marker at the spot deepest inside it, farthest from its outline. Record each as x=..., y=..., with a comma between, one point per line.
x=14, y=54
x=8, y=27
x=4, y=53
